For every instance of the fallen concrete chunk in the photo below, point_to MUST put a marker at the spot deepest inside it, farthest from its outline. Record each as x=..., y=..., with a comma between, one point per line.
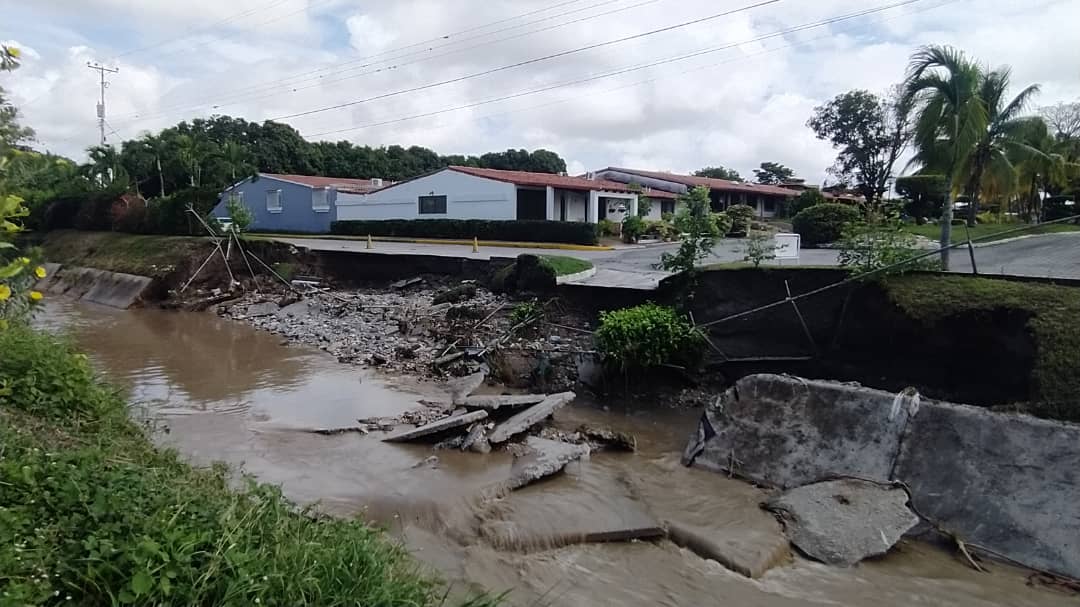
x=446, y=423
x=845, y=521
x=406, y=283
x=298, y=309
x=542, y=458
x=529, y=417
x=262, y=309
x=747, y=552
x=476, y=433
x=608, y=437
x=492, y=403
x=461, y=387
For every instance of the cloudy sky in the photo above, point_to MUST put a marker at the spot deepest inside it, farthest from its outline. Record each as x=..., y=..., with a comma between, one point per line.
x=732, y=89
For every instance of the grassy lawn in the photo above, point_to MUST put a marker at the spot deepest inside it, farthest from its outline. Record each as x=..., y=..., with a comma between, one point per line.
x=988, y=231
x=1054, y=312
x=144, y=254
x=565, y=266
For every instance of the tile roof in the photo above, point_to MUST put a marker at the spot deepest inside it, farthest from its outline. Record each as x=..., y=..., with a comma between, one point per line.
x=722, y=185
x=342, y=184
x=525, y=178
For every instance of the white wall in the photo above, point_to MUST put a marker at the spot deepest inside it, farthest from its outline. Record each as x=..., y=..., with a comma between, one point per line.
x=467, y=197
x=575, y=204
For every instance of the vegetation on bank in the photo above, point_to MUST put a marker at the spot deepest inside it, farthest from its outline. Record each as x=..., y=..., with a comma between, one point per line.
x=1054, y=312
x=565, y=266
x=92, y=514
x=146, y=255
x=648, y=336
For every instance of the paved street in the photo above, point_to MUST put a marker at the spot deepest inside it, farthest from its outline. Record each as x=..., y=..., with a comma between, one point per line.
x=1043, y=256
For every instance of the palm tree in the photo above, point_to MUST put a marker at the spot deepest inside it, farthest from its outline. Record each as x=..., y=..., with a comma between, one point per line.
x=186, y=152
x=157, y=146
x=988, y=166
x=942, y=87
x=1042, y=164
x=236, y=159
x=104, y=167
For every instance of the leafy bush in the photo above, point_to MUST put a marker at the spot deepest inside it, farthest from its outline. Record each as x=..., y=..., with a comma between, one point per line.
x=526, y=312
x=723, y=223
x=806, y=199
x=865, y=248
x=741, y=215
x=823, y=223
x=648, y=336
x=569, y=232
x=606, y=227
x=698, y=225
x=106, y=210
x=759, y=248
x=633, y=227
x=661, y=229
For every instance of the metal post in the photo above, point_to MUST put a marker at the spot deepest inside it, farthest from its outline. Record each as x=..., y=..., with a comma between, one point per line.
x=971, y=249
x=102, y=70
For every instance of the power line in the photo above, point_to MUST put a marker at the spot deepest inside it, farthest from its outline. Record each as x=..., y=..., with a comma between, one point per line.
x=779, y=33
x=263, y=89
x=529, y=61
x=101, y=69
x=622, y=86
x=191, y=31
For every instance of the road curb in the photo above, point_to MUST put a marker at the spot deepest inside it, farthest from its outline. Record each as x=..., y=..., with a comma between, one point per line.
x=483, y=243
x=583, y=275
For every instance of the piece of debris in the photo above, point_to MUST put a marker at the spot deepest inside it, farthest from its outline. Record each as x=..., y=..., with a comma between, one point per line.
x=454, y=442
x=748, y=552
x=526, y=419
x=406, y=351
x=432, y=461
x=446, y=423
x=541, y=459
x=261, y=309
x=297, y=309
x=495, y=402
x=406, y=283
x=609, y=438
x=455, y=295
x=842, y=522
x=445, y=360
x=336, y=431
x=476, y=433
x=462, y=387
x=376, y=360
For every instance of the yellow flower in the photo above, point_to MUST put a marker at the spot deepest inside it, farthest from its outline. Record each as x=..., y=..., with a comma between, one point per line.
x=14, y=52
x=5, y=292
x=39, y=272
x=36, y=295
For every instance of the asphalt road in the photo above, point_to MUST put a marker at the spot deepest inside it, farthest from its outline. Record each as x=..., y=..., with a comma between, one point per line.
x=1043, y=256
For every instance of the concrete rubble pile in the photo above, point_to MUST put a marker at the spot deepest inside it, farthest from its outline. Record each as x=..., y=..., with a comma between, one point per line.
x=411, y=327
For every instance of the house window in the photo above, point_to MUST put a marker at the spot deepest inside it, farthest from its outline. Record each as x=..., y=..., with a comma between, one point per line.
x=433, y=205
x=667, y=206
x=770, y=205
x=320, y=200
x=273, y=201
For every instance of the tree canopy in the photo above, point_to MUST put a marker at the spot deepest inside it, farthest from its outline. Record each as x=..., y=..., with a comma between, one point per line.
x=719, y=172
x=870, y=133
x=773, y=173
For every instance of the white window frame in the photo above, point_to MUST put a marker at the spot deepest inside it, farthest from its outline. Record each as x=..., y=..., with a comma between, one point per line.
x=445, y=204
x=316, y=194
x=274, y=195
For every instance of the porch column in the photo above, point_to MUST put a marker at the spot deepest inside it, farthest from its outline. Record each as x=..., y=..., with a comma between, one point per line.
x=592, y=209
x=550, y=213
x=633, y=205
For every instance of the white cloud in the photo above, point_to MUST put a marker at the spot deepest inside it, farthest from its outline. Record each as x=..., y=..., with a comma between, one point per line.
x=735, y=106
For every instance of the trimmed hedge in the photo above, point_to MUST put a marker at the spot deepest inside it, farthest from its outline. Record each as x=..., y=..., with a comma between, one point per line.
x=823, y=223
x=566, y=232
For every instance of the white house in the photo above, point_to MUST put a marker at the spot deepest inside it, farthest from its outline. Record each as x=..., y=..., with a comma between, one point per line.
x=471, y=193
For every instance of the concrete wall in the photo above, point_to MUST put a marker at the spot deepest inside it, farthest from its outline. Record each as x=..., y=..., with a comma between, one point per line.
x=1006, y=482
x=97, y=286
x=467, y=197
x=296, y=213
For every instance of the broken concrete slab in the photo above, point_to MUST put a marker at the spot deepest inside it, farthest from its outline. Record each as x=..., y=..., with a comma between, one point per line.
x=297, y=309
x=747, y=553
x=541, y=459
x=406, y=283
x=446, y=423
x=842, y=522
x=476, y=432
x=785, y=431
x=261, y=309
x=1006, y=482
x=460, y=388
x=504, y=401
x=607, y=437
x=526, y=419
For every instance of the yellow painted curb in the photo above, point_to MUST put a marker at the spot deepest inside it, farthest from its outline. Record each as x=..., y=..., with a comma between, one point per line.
x=482, y=243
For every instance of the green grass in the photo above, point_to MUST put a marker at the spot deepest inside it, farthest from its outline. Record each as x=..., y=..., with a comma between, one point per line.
x=1055, y=325
x=565, y=266
x=92, y=514
x=144, y=254
x=988, y=231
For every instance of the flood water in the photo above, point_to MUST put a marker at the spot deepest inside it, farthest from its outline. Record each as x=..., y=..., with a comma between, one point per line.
x=217, y=390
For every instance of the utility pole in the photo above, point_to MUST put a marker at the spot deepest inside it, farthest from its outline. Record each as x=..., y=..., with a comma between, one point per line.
x=101, y=69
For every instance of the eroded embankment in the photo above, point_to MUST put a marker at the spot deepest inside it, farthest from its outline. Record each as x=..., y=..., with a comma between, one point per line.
x=1004, y=483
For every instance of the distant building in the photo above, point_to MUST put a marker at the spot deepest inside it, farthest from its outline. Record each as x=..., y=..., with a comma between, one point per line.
x=292, y=203
x=472, y=193
x=764, y=199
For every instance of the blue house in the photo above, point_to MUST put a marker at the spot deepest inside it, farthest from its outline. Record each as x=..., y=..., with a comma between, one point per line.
x=291, y=203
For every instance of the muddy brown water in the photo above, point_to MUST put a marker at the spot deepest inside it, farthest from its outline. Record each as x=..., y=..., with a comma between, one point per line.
x=218, y=390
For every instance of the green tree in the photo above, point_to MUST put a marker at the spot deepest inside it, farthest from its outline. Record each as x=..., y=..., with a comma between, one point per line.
x=236, y=159
x=926, y=194
x=773, y=173
x=870, y=133
x=719, y=172
x=104, y=168
x=699, y=233
x=942, y=87
x=11, y=132
x=1042, y=165
x=158, y=147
